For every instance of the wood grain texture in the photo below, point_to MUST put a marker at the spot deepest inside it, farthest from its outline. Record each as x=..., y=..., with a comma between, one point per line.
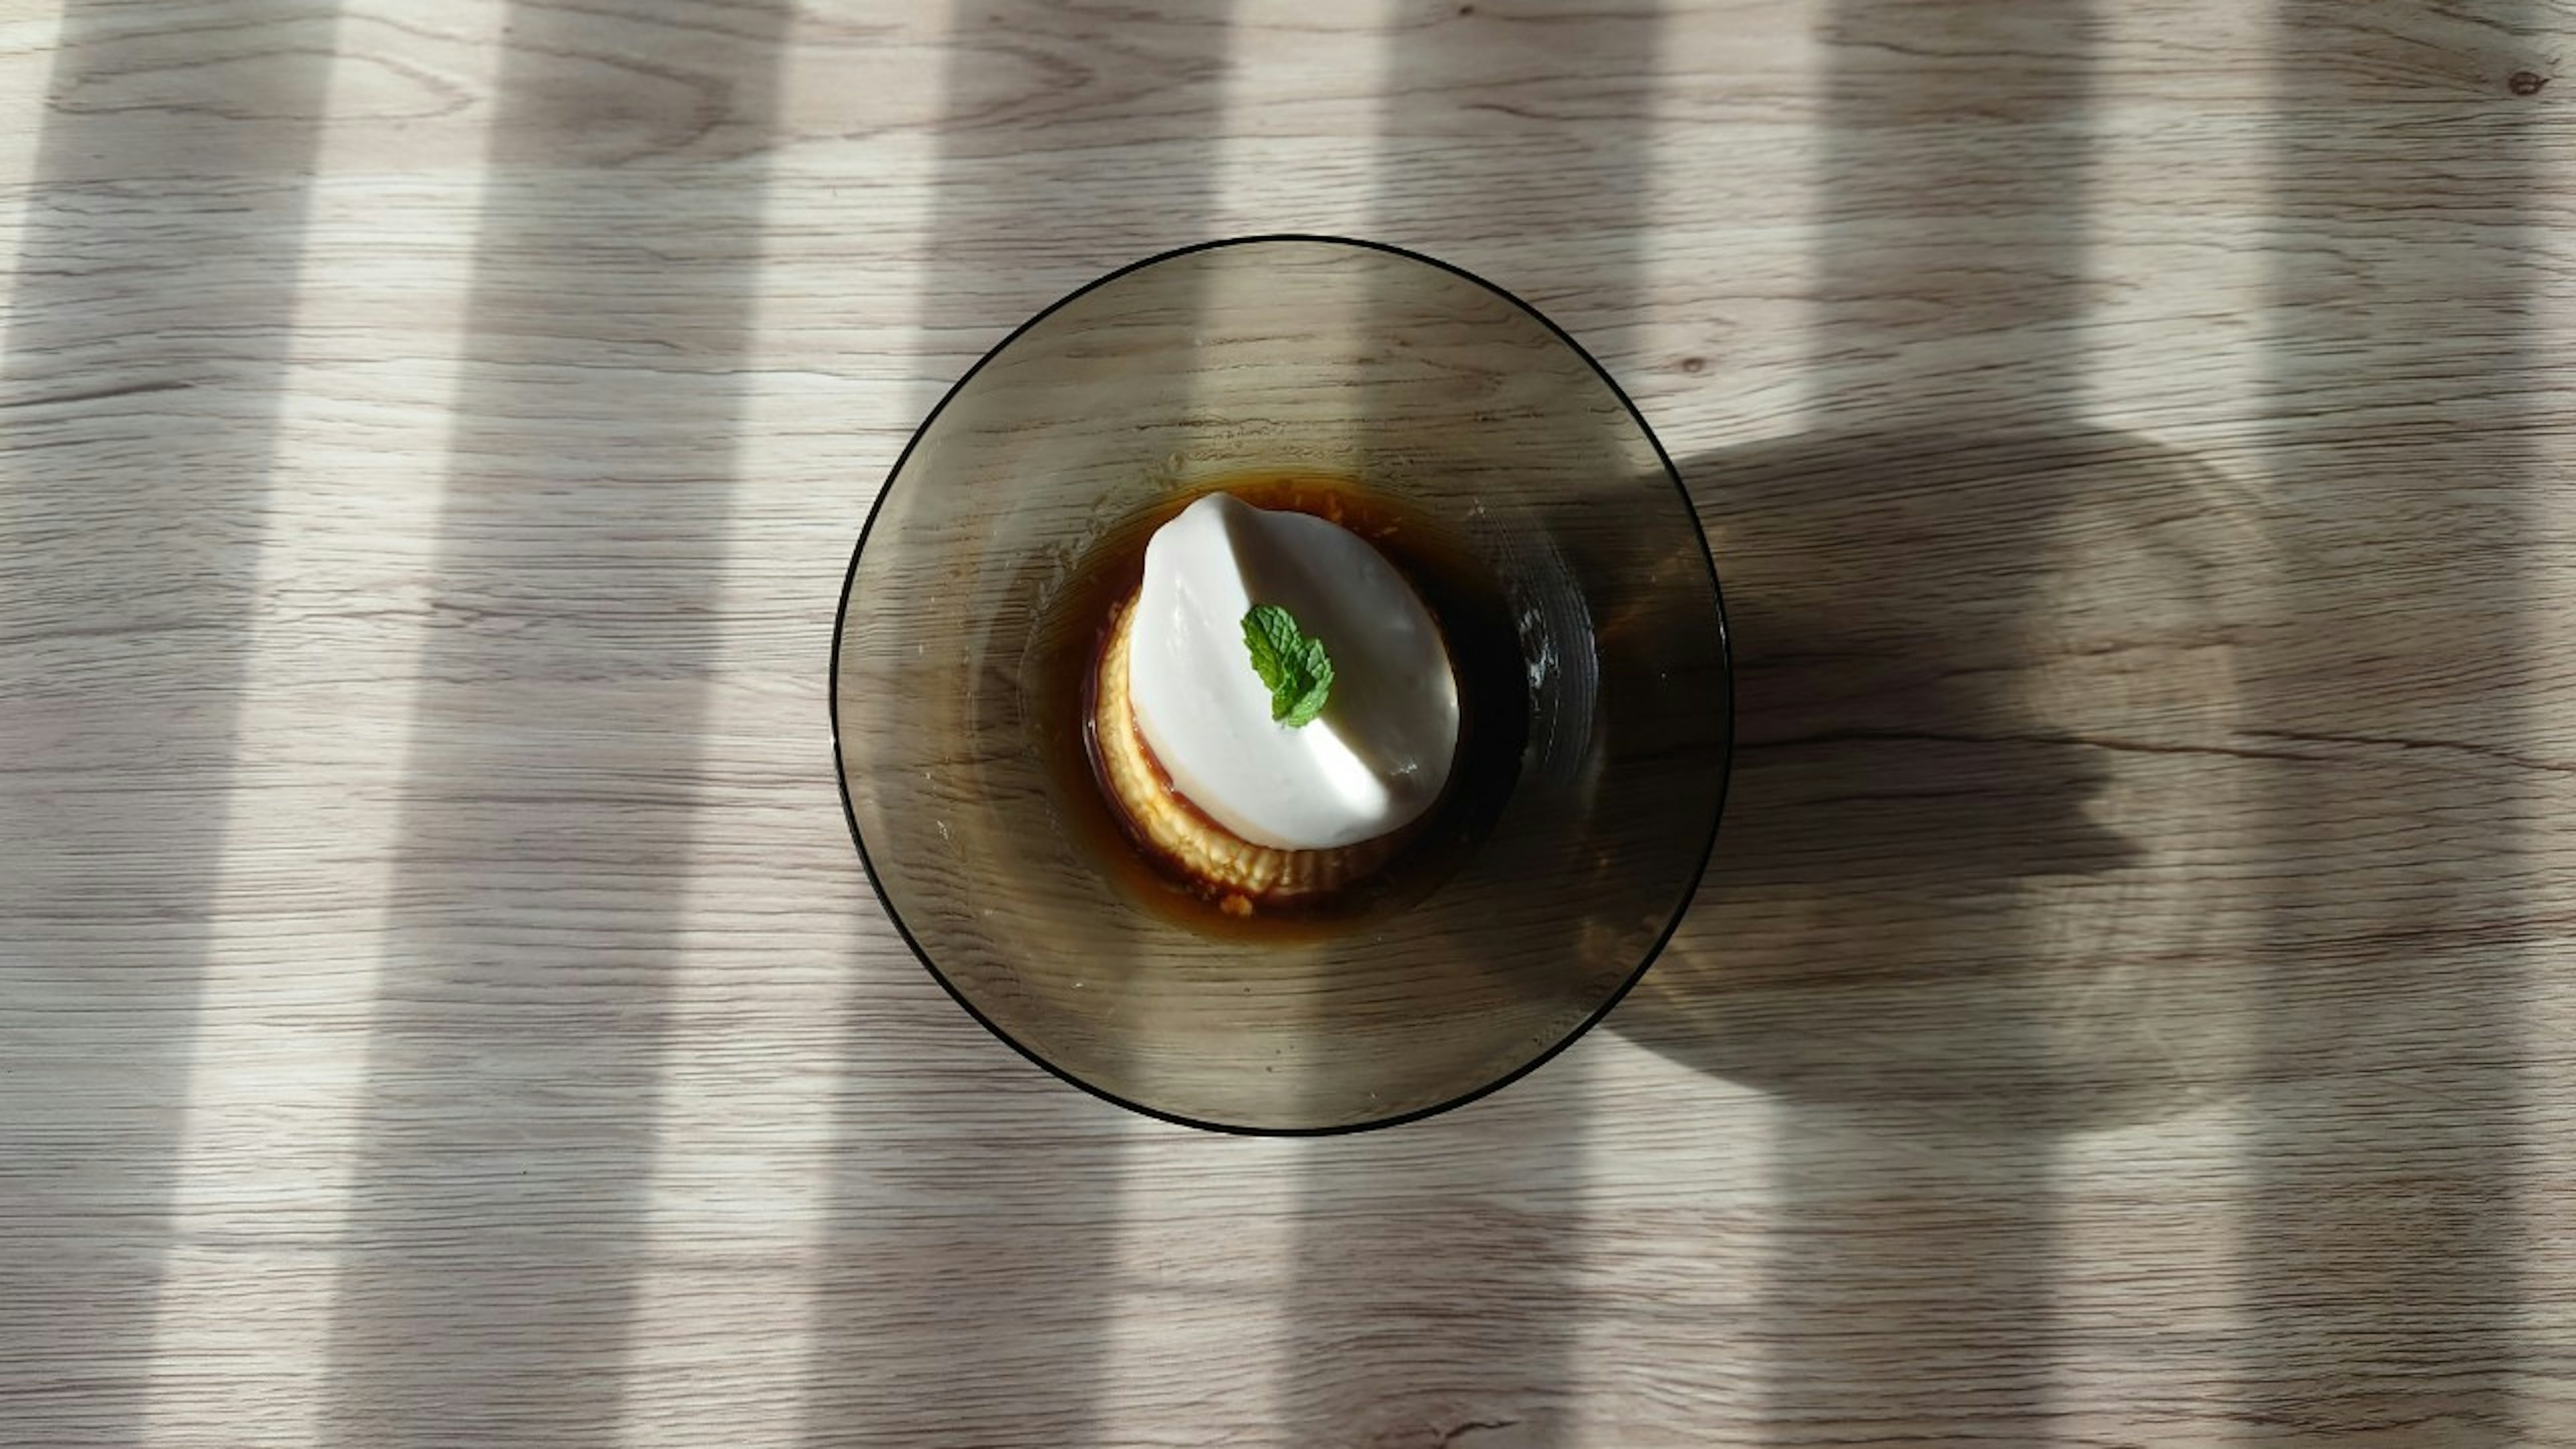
x=439, y=1003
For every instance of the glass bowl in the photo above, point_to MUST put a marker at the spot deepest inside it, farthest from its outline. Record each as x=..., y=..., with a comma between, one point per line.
x=1584, y=615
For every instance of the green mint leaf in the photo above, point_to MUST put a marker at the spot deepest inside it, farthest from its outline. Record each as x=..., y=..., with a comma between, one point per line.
x=1306, y=709
x=1319, y=688
x=1293, y=667
x=1269, y=633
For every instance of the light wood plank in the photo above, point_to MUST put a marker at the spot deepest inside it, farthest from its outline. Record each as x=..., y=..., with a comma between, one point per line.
x=439, y=1002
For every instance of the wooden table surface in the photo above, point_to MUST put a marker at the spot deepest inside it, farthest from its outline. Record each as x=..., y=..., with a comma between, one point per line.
x=439, y=1003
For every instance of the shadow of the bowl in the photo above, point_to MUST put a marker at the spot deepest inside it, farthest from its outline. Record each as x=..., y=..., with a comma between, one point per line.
x=1984, y=690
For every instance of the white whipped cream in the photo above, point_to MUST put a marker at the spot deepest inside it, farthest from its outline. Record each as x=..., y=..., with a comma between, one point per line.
x=1378, y=755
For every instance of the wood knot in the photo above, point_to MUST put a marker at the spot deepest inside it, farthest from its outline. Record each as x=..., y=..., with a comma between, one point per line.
x=2526, y=82
x=1694, y=365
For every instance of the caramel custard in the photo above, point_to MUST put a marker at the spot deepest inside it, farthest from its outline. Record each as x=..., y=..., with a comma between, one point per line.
x=1275, y=706
x=1215, y=824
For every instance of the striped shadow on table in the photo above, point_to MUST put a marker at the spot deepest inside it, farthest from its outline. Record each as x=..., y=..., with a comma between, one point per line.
x=145, y=356
x=968, y=1270
x=516, y=1047
x=2384, y=1236
x=2005, y=866
x=1436, y=1293
x=1872, y=945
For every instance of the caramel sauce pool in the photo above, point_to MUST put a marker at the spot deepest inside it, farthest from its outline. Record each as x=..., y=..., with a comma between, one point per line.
x=1072, y=634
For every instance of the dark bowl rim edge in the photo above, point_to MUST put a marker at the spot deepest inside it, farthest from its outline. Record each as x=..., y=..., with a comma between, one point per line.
x=1726, y=678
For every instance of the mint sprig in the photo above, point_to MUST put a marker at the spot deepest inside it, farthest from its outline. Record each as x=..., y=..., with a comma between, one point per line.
x=1294, y=666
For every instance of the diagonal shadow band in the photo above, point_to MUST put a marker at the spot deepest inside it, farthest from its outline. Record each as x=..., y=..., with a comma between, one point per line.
x=2087, y=784
x=516, y=1049
x=969, y=1266
x=1900, y=796
x=1438, y=1290
x=147, y=348
x=2385, y=1222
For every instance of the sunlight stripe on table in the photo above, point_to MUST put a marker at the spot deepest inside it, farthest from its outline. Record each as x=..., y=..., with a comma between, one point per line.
x=1201, y=1337
x=1274, y=115
x=739, y=1213
x=1678, y=1262
x=2169, y=238
x=27, y=43
x=1671, y=1332
x=2141, y=1308
x=274, y=1092
x=736, y=1214
x=1709, y=329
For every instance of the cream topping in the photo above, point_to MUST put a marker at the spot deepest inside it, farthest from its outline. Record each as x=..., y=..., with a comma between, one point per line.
x=1380, y=753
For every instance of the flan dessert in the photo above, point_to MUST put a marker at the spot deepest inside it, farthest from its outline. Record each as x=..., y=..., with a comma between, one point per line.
x=1275, y=710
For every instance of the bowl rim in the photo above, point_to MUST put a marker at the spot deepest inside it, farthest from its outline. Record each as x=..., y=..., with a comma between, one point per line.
x=1680, y=909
